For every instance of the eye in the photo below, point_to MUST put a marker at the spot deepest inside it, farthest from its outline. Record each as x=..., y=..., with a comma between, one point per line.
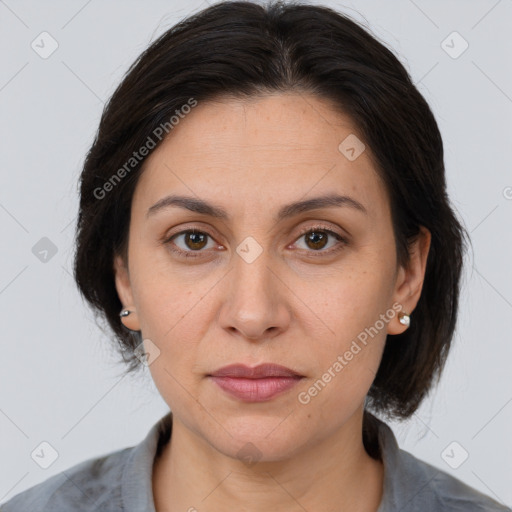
x=189, y=242
x=317, y=239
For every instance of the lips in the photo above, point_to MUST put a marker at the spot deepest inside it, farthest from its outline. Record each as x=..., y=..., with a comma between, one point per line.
x=258, y=372
x=257, y=384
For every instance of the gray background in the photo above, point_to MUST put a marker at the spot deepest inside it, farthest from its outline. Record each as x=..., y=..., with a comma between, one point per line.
x=58, y=381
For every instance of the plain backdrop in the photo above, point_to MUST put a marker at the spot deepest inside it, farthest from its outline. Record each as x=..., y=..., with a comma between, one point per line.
x=58, y=380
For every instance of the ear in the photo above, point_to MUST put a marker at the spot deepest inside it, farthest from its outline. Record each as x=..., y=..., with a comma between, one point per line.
x=409, y=282
x=122, y=278
x=124, y=291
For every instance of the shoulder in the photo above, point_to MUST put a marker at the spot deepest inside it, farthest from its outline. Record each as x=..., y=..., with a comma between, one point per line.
x=111, y=483
x=436, y=490
x=413, y=485
x=89, y=485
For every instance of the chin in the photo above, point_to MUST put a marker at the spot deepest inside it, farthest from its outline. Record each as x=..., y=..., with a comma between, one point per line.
x=257, y=438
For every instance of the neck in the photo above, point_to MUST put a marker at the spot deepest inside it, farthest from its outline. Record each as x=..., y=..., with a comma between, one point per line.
x=334, y=474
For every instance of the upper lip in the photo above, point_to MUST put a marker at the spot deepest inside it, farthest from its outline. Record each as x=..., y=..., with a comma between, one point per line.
x=256, y=372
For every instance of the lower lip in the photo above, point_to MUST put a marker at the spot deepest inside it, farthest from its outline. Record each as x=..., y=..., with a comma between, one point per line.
x=255, y=390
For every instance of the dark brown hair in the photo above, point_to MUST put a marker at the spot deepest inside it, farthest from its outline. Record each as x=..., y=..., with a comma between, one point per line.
x=242, y=49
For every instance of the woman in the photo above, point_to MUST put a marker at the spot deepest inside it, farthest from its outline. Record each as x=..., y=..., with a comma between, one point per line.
x=264, y=224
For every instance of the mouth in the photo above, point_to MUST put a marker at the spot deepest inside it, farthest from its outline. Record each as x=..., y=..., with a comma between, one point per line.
x=257, y=384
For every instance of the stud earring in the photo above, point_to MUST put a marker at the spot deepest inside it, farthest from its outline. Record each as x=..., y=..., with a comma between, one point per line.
x=404, y=318
x=131, y=322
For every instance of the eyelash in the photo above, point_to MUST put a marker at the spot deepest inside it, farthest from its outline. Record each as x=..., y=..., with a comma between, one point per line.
x=320, y=253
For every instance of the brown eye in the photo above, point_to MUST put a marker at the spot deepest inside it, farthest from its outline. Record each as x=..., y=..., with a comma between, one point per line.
x=316, y=239
x=186, y=243
x=195, y=240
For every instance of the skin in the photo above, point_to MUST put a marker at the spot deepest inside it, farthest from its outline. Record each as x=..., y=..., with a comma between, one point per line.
x=295, y=304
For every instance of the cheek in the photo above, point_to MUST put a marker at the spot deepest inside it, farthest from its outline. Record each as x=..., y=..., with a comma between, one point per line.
x=167, y=295
x=353, y=312
x=350, y=299
x=173, y=316
x=174, y=328
x=346, y=360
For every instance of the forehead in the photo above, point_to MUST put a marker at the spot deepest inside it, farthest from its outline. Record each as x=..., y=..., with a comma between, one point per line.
x=262, y=149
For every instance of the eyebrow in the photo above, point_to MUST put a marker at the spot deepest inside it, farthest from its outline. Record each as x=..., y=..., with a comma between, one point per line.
x=203, y=207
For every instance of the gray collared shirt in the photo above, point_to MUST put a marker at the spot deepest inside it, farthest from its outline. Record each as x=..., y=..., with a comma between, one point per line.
x=121, y=481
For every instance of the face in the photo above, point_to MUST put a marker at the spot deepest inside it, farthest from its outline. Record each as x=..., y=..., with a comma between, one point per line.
x=264, y=282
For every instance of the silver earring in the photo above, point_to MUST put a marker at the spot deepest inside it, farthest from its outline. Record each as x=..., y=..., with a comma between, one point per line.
x=404, y=319
x=124, y=312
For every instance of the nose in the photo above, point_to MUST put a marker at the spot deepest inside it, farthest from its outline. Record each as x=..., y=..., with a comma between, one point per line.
x=255, y=306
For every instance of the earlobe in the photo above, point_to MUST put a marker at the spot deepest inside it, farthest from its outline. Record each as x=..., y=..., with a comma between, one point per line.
x=128, y=314
x=409, y=282
x=401, y=321
x=130, y=319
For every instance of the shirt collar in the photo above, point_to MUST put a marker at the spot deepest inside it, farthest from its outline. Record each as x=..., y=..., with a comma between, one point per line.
x=136, y=481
